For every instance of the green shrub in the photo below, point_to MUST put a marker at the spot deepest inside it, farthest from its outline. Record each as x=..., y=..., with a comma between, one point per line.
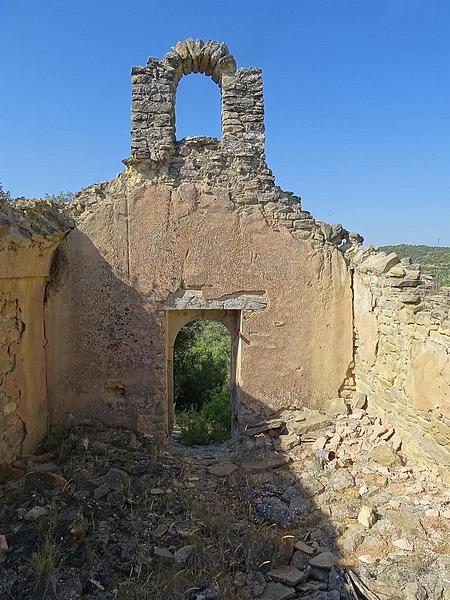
x=193, y=428
x=217, y=413
x=61, y=197
x=201, y=364
x=435, y=260
x=202, y=356
x=4, y=194
x=210, y=424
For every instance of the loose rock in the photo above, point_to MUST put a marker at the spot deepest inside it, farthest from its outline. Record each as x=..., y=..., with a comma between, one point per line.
x=366, y=516
x=324, y=560
x=287, y=574
x=36, y=513
x=385, y=455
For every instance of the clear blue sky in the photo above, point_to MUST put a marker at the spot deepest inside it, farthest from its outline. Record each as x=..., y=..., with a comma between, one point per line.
x=357, y=98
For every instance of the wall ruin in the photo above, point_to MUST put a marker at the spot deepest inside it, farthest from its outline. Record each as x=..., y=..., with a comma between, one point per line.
x=199, y=225
x=29, y=234
x=402, y=358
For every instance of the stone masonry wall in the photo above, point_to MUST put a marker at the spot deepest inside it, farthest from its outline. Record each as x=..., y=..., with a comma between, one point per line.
x=139, y=245
x=29, y=233
x=237, y=161
x=402, y=358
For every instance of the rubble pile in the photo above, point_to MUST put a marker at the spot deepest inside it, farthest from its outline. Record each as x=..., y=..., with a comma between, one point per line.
x=303, y=505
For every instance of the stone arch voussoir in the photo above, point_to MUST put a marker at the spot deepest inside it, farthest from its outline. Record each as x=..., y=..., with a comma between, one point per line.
x=196, y=56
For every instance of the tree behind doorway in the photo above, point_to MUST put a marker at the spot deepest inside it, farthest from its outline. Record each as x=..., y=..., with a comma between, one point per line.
x=202, y=362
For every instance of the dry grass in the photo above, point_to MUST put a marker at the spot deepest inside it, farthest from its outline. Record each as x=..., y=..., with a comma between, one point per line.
x=44, y=562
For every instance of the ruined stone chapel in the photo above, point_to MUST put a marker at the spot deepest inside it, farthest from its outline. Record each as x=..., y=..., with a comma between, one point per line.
x=93, y=294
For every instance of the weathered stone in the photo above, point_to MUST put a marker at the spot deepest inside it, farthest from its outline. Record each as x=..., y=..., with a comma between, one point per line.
x=182, y=555
x=299, y=545
x=358, y=414
x=287, y=574
x=163, y=553
x=264, y=462
x=286, y=442
x=115, y=479
x=320, y=443
x=403, y=544
x=342, y=479
x=101, y=492
x=224, y=469
x=366, y=516
x=160, y=530
x=274, y=510
x=397, y=271
x=351, y=538
x=324, y=560
x=385, y=455
x=380, y=262
x=311, y=423
x=376, y=479
x=36, y=513
x=359, y=400
x=3, y=544
x=277, y=591
x=337, y=406
x=263, y=427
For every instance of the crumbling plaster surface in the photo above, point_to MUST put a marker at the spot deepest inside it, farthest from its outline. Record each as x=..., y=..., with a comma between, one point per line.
x=119, y=268
x=29, y=233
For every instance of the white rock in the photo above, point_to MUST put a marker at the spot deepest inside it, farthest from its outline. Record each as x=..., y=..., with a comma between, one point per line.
x=334, y=442
x=396, y=442
x=320, y=443
x=367, y=559
x=403, y=544
x=366, y=516
x=358, y=414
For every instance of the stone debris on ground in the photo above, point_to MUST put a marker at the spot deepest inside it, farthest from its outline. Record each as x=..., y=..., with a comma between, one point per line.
x=244, y=519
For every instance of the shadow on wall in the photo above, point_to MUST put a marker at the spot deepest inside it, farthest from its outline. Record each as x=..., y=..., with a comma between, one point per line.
x=105, y=345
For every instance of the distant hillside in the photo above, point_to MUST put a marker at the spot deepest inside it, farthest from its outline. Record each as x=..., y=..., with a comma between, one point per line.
x=435, y=260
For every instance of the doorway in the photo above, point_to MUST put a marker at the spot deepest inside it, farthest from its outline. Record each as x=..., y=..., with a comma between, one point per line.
x=201, y=358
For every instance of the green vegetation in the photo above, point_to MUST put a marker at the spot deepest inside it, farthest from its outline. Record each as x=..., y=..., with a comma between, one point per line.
x=435, y=260
x=60, y=197
x=44, y=562
x=4, y=194
x=201, y=366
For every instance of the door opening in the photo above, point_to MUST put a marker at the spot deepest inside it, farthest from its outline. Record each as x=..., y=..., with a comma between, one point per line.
x=202, y=347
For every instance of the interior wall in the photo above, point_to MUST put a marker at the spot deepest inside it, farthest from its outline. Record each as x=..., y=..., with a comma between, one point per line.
x=106, y=324
x=28, y=238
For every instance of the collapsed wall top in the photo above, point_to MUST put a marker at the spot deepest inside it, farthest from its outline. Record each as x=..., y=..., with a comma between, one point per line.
x=241, y=150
